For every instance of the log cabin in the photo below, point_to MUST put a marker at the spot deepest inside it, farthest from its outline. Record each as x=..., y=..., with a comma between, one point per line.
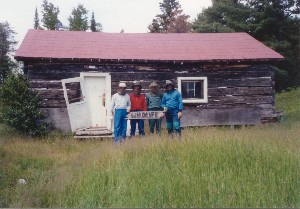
x=224, y=78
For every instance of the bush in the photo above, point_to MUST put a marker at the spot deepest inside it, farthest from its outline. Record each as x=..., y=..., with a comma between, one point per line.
x=19, y=106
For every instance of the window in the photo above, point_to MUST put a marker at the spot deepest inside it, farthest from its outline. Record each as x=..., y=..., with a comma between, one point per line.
x=74, y=92
x=193, y=89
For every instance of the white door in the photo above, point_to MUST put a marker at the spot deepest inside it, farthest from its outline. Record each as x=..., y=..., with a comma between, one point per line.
x=77, y=105
x=97, y=90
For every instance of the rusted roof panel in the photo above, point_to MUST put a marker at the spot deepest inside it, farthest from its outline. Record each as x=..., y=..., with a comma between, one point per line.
x=39, y=44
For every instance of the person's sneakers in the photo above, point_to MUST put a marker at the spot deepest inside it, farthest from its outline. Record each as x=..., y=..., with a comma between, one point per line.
x=170, y=135
x=178, y=135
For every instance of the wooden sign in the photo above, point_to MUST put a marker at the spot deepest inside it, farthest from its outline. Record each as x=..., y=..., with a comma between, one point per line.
x=146, y=115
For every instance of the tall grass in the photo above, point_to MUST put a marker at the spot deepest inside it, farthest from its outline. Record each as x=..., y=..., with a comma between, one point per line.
x=225, y=169
x=211, y=167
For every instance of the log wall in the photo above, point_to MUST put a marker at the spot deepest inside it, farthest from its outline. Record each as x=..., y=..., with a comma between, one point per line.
x=237, y=94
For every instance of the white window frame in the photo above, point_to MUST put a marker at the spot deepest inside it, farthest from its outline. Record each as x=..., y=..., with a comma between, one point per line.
x=195, y=100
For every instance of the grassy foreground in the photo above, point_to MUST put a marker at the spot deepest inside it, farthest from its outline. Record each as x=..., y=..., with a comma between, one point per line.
x=211, y=167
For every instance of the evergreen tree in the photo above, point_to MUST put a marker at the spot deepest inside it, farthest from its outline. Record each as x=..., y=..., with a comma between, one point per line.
x=155, y=26
x=93, y=23
x=7, y=44
x=277, y=25
x=78, y=21
x=171, y=20
x=95, y=27
x=36, y=24
x=273, y=22
x=180, y=24
x=19, y=106
x=223, y=16
x=50, y=15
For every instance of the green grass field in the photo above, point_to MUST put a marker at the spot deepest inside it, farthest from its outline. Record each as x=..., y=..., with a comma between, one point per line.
x=256, y=166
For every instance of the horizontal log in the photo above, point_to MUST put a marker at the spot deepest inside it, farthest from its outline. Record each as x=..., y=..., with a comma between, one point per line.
x=145, y=84
x=52, y=103
x=228, y=106
x=52, y=68
x=131, y=76
x=45, y=84
x=79, y=67
x=241, y=100
x=131, y=72
x=42, y=84
x=52, y=75
x=57, y=93
x=240, y=91
x=242, y=82
x=237, y=116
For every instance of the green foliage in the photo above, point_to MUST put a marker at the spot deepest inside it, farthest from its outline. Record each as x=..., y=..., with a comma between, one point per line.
x=7, y=44
x=281, y=78
x=204, y=173
x=36, y=21
x=19, y=106
x=14, y=167
x=95, y=27
x=78, y=20
x=275, y=23
x=223, y=16
x=50, y=15
x=289, y=103
x=255, y=166
x=171, y=20
x=93, y=23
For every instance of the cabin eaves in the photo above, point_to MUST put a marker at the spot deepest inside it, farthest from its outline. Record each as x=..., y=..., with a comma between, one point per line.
x=142, y=47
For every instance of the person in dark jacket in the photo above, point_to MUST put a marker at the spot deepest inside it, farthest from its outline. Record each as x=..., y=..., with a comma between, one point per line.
x=153, y=99
x=138, y=103
x=172, y=105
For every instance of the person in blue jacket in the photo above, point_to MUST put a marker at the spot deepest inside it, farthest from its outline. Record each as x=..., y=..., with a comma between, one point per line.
x=173, y=106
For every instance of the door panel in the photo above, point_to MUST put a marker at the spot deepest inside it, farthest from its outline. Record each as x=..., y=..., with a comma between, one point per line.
x=94, y=88
x=78, y=109
x=97, y=90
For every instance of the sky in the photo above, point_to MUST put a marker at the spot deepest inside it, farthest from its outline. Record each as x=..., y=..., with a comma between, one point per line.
x=133, y=16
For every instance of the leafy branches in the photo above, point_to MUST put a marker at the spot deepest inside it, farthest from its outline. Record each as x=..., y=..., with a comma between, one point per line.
x=78, y=20
x=50, y=15
x=7, y=44
x=171, y=20
x=276, y=23
x=19, y=106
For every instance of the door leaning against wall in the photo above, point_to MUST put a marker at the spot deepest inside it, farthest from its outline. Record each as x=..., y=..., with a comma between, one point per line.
x=91, y=107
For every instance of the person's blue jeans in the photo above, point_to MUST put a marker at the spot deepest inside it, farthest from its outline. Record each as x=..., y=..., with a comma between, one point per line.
x=120, y=125
x=172, y=121
x=140, y=123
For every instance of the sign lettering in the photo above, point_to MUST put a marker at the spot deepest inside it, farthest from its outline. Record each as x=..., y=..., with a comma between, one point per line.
x=146, y=115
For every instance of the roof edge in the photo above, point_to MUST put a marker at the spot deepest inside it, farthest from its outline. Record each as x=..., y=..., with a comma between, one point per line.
x=125, y=61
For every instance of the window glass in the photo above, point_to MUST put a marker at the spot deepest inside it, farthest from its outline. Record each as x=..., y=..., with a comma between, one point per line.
x=199, y=89
x=192, y=89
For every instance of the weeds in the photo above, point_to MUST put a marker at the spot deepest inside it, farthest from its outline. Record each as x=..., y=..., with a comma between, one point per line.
x=256, y=166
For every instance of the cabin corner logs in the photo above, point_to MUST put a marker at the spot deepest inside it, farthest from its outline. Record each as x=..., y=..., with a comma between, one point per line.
x=238, y=94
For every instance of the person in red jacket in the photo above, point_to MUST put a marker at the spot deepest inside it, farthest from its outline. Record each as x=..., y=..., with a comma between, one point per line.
x=138, y=103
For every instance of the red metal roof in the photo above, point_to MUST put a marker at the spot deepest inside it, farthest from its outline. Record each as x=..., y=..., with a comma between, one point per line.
x=143, y=46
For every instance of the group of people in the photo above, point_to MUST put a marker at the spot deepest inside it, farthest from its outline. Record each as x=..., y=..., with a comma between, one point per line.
x=122, y=104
